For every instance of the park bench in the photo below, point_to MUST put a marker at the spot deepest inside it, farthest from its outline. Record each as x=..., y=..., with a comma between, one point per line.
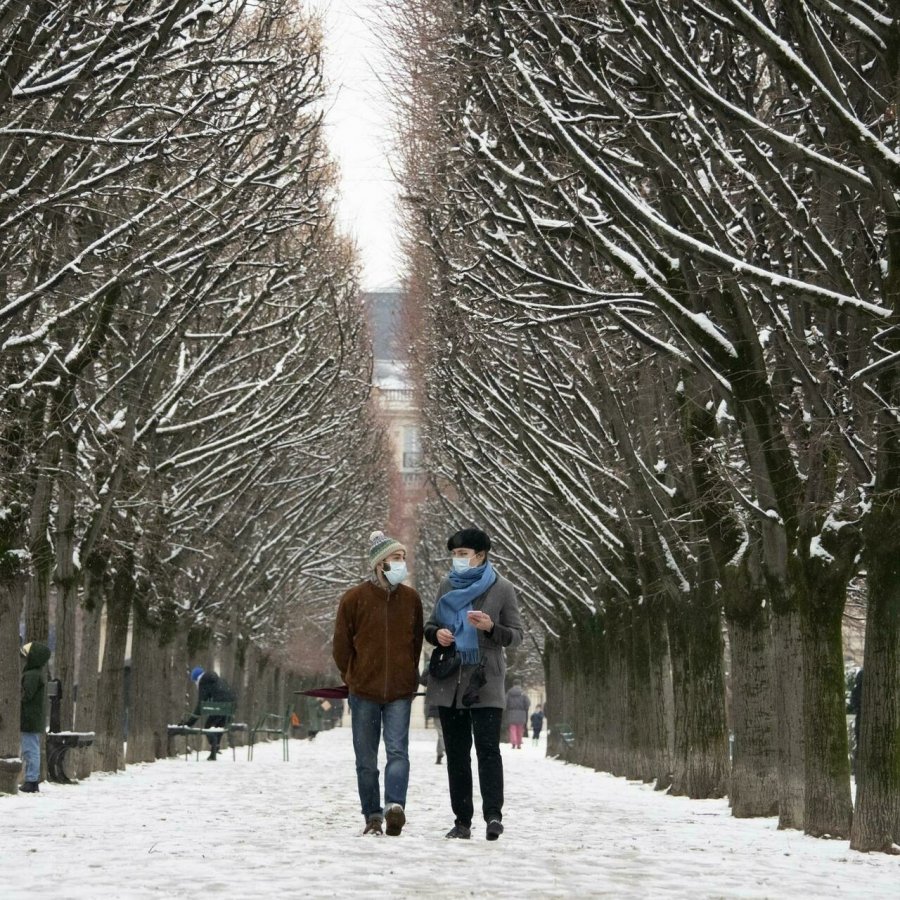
x=564, y=735
x=272, y=725
x=59, y=743
x=208, y=710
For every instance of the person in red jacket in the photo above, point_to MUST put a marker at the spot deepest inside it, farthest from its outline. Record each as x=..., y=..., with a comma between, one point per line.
x=378, y=637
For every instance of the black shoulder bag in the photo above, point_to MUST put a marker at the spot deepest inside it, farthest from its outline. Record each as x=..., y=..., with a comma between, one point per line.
x=444, y=661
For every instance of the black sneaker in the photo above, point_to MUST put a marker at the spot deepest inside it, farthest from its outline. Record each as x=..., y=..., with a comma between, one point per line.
x=394, y=819
x=29, y=787
x=459, y=831
x=373, y=826
x=494, y=829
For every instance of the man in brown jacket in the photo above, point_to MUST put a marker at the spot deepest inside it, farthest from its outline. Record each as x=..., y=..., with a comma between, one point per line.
x=377, y=641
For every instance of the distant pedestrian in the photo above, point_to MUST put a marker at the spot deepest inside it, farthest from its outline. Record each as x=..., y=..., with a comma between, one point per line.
x=376, y=646
x=477, y=611
x=537, y=724
x=33, y=718
x=517, y=704
x=855, y=707
x=210, y=689
x=314, y=715
x=433, y=712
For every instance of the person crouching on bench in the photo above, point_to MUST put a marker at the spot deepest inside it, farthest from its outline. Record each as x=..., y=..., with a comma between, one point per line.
x=210, y=689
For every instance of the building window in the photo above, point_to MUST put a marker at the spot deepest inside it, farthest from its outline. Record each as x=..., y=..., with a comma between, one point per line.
x=412, y=450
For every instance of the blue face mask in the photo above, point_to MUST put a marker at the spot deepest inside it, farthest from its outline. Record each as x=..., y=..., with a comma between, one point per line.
x=460, y=563
x=396, y=573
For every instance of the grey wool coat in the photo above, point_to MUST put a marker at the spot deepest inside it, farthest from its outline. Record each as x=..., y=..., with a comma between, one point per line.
x=499, y=602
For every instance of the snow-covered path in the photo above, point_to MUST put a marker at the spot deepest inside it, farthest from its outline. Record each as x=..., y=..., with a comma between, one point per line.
x=269, y=828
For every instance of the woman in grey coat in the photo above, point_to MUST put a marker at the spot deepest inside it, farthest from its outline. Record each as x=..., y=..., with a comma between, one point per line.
x=477, y=610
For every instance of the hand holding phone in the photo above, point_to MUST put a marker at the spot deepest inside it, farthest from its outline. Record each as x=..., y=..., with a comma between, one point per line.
x=480, y=620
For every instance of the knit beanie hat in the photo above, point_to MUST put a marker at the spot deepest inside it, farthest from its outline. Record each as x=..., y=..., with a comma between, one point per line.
x=196, y=673
x=381, y=546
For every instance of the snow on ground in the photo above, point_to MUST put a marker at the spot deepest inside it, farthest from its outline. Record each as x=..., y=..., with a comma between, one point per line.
x=183, y=829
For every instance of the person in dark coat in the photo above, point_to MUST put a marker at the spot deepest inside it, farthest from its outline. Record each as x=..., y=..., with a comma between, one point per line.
x=517, y=704
x=477, y=611
x=313, y=716
x=33, y=719
x=537, y=725
x=210, y=689
x=855, y=708
x=434, y=713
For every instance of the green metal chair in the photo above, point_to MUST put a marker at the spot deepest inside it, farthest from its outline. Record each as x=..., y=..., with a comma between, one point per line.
x=271, y=724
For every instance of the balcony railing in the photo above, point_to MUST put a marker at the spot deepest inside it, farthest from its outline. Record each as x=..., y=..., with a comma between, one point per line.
x=398, y=395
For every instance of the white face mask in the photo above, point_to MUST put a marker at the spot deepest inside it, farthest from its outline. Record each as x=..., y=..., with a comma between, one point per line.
x=461, y=563
x=397, y=571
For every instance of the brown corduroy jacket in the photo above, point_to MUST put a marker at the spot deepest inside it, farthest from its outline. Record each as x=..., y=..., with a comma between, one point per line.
x=377, y=641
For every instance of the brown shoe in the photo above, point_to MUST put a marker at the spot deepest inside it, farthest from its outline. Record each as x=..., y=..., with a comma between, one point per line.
x=395, y=819
x=373, y=826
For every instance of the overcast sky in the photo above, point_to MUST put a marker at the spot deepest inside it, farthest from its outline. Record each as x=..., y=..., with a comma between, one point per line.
x=360, y=134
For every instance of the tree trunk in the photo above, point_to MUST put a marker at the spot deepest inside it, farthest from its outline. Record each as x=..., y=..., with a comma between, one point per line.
x=13, y=580
x=250, y=702
x=701, y=734
x=37, y=595
x=593, y=708
x=179, y=696
x=167, y=637
x=828, y=806
x=661, y=691
x=11, y=591
x=89, y=659
x=226, y=658
x=110, y=756
x=641, y=696
x=240, y=687
x=146, y=723
x=66, y=578
x=876, y=823
x=560, y=704
x=37, y=603
x=787, y=654
x=600, y=693
x=754, y=764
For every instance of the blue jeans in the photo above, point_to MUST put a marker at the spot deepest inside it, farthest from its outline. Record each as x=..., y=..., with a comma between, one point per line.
x=31, y=754
x=369, y=719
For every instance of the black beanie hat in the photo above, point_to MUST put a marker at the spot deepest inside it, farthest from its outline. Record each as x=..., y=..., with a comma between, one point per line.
x=471, y=539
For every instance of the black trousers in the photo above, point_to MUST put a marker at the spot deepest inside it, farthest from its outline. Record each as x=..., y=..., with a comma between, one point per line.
x=215, y=739
x=459, y=727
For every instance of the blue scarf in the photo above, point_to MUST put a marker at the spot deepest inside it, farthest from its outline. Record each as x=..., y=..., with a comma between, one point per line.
x=453, y=606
